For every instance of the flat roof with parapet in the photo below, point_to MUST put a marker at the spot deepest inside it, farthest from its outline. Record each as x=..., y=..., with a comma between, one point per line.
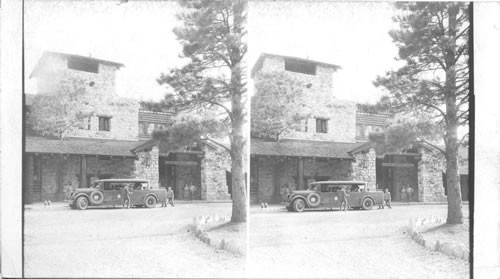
x=42, y=59
x=263, y=55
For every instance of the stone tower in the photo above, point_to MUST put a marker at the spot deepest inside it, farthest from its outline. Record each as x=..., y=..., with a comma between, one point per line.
x=332, y=119
x=54, y=67
x=114, y=117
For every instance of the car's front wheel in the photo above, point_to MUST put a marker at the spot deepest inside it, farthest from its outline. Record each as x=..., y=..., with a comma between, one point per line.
x=299, y=205
x=82, y=203
x=150, y=202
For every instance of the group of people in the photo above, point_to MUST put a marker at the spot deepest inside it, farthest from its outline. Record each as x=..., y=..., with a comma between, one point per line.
x=170, y=198
x=406, y=193
x=189, y=192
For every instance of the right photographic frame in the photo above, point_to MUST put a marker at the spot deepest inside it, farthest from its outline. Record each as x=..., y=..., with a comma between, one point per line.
x=359, y=153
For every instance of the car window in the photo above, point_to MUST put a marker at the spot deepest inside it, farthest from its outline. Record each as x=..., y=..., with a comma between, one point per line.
x=324, y=188
x=108, y=186
x=139, y=185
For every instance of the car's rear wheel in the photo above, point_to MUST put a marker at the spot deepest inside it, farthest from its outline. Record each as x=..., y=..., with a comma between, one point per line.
x=299, y=205
x=150, y=202
x=82, y=203
x=367, y=204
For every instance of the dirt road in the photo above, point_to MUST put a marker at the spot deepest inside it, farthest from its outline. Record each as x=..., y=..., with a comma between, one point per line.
x=353, y=244
x=124, y=243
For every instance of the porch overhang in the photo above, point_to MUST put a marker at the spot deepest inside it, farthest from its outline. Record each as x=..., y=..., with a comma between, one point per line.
x=80, y=146
x=302, y=149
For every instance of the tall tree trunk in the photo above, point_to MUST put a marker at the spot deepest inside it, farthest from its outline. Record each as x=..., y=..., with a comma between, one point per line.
x=238, y=150
x=239, y=213
x=455, y=214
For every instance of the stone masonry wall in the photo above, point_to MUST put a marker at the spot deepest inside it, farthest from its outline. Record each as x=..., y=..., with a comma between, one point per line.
x=69, y=167
x=341, y=121
x=213, y=174
x=364, y=168
x=318, y=95
x=124, y=120
x=103, y=98
x=146, y=166
x=430, y=176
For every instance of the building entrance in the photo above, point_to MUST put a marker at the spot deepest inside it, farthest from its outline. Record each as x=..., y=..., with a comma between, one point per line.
x=398, y=172
x=181, y=171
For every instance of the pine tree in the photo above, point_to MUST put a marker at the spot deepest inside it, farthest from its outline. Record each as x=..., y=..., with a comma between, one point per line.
x=213, y=38
x=433, y=41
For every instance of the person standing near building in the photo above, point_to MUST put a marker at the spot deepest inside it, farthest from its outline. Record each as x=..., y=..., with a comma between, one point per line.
x=409, y=192
x=387, y=198
x=403, y=193
x=343, y=199
x=284, y=192
x=126, y=196
x=186, y=192
x=192, y=188
x=170, y=197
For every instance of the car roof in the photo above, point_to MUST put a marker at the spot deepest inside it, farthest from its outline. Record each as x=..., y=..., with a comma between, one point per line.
x=340, y=182
x=122, y=180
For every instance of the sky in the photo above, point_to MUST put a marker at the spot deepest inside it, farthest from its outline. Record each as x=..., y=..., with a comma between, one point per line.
x=139, y=35
x=353, y=35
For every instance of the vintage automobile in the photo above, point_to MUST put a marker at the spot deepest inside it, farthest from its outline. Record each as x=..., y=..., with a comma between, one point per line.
x=110, y=192
x=325, y=194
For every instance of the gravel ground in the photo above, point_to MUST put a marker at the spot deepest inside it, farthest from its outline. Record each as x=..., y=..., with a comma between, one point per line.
x=236, y=233
x=353, y=244
x=124, y=243
x=453, y=233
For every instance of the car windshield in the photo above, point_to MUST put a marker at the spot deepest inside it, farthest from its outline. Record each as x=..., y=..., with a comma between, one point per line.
x=96, y=185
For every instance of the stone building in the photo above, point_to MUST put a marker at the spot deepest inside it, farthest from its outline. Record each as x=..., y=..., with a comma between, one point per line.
x=114, y=142
x=333, y=144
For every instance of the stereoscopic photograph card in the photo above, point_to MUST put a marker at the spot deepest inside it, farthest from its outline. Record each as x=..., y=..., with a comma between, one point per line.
x=249, y=139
